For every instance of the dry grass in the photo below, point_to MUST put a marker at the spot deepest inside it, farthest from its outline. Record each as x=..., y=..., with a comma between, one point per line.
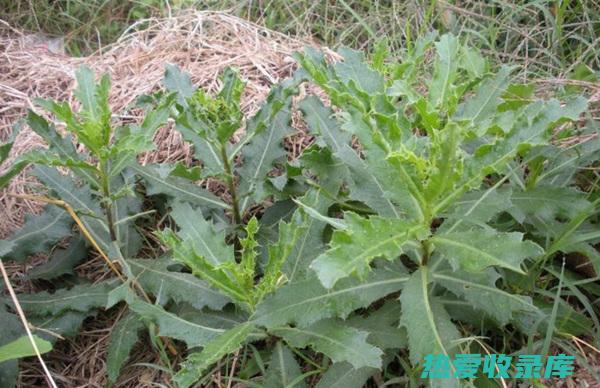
x=202, y=43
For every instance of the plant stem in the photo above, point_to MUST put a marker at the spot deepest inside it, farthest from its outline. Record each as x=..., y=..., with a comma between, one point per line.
x=231, y=185
x=426, y=248
x=107, y=202
x=113, y=236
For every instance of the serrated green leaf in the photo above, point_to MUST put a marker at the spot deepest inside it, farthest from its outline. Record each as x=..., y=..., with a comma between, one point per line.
x=123, y=336
x=310, y=241
x=63, y=147
x=364, y=239
x=278, y=254
x=329, y=172
x=480, y=290
x=221, y=276
x=307, y=301
x=354, y=69
x=62, y=261
x=226, y=319
x=196, y=363
x=561, y=163
x=201, y=234
x=267, y=129
x=344, y=375
x=182, y=171
x=477, y=207
x=315, y=214
x=92, y=123
x=82, y=298
x=125, y=210
x=171, y=325
x=44, y=158
x=547, y=203
x=516, y=96
x=532, y=128
x=155, y=277
x=427, y=323
x=233, y=86
x=485, y=102
x=94, y=99
x=11, y=172
x=176, y=80
x=474, y=251
x=336, y=341
x=133, y=139
x=446, y=165
x=22, y=347
x=444, y=73
x=204, y=150
x=472, y=61
x=81, y=199
x=283, y=369
x=66, y=324
x=38, y=234
x=245, y=270
x=158, y=182
x=365, y=184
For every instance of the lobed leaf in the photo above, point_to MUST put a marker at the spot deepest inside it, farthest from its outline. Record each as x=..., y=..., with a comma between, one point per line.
x=196, y=363
x=306, y=301
x=122, y=338
x=156, y=278
x=283, y=369
x=429, y=328
x=62, y=261
x=38, y=234
x=266, y=131
x=83, y=202
x=480, y=290
x=476, y=250
x=344, y=375
x=335, y=340
x=158, y=181
x=82, y=298
x=367, y=183
x=352, y=249
x=171, y=325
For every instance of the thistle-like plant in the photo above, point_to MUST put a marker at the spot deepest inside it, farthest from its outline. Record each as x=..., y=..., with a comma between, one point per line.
x=428, y=213
x=455, y=183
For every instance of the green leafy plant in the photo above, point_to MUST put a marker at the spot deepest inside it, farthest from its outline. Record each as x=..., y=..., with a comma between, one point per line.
x=452, y=179
x=427, y=217
x=98, y=195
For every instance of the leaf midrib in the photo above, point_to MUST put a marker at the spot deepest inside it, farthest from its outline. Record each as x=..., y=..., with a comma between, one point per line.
x=429, y=311
x=336, y=293
x=474, y=249
x=482, y=286
x=369, y=252
x=326, y=338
